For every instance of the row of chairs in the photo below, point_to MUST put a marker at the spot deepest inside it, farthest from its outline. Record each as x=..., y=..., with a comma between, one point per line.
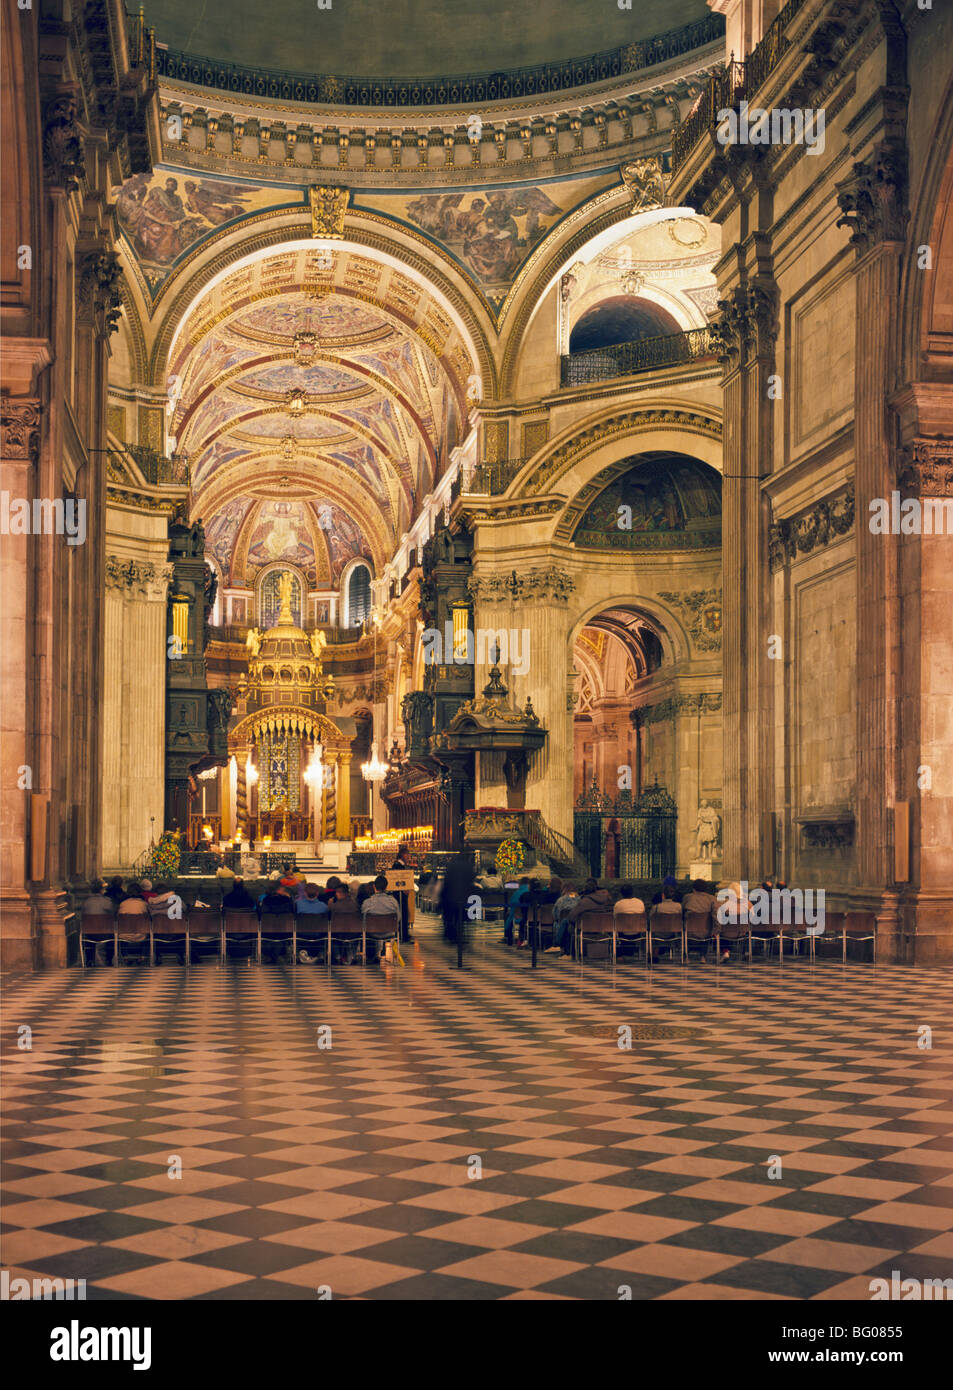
x=240, y=929
x=700, y=930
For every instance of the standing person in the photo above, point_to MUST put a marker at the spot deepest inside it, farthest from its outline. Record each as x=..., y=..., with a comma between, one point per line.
x=404, y=861
x=458, y=888
x=516, y=904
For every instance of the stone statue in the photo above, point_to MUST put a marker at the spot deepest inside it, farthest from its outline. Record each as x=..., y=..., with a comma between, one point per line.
x=319, y=641
x=707, y=831
x=253, y=640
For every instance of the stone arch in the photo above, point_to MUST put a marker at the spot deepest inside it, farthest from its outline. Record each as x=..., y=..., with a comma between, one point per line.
x=230, y=249
x=572, y=460
x=925, y=325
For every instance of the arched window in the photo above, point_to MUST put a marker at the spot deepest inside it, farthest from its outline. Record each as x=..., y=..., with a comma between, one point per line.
x=621, y=319
x=357, y=596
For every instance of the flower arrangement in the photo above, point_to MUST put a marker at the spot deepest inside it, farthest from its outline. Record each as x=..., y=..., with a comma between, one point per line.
x=510, y=857
x=166, y=855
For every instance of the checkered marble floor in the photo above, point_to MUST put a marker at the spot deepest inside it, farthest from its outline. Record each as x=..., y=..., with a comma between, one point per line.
x=479, y=1135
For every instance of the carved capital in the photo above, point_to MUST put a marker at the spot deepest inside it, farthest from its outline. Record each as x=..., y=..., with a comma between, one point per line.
x=645, y=182
x=547, y=582
x=138, y=579
x=925, y=468
x=19, y=429
x=873, y=199
x=748, y=322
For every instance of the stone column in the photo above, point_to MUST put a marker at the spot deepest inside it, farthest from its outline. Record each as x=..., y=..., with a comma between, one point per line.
x=133, y=708
x=872, y=201
x=19, y=443
x=344, y=796
x=748, y=329
x=328, y=800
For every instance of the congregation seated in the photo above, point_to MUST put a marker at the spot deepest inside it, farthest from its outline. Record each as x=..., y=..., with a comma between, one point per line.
x=277, y=902
x=593, y=899
x=381, y=905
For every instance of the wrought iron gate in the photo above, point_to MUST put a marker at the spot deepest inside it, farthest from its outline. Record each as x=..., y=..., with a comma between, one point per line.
x=643, y=829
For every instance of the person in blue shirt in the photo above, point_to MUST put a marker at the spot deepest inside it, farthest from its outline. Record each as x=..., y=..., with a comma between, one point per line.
x=312, y=913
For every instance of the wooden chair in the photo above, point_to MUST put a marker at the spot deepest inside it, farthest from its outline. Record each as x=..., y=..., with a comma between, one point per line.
x=597, y=926
x=632, y=927
x=278, y=927
x=698, y=928
x=380, y=927
x=767, y=933
x=101, y=928
x=205, y=921
x=860, y=925
x=169, y=931
x=345, y=927
x=130, y=925
x=665, y=928
x=240, y=924
x=730, y=932
x=543, y=925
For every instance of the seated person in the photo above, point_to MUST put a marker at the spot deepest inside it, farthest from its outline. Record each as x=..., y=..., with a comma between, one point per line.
x=99, y=905
x=700, y=899
x=514, y=908
x=365, y=891
x=330, y=891
x=238, y=898
x=132, y=911
x=666, y=917
x=562, y=925
x=668, y=882
x=148, y=892
x=275, y=903
x=593, y=899
x=542, y=893
x=731, y=912
x=628, y=903
x=114, y=889
x=380, y=905
x=312, y=913
x=342, y=905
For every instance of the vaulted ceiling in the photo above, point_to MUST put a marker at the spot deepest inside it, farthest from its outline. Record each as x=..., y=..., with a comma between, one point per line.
x=329, y=384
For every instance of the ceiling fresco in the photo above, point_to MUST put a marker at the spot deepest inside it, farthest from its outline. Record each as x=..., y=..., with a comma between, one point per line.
x=286, y=387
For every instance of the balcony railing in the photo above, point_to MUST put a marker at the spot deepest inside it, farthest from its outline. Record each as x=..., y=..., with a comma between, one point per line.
x=733, y=83
x=627, y=359
x=156, y=468
x=468, y=89
x=490, y=479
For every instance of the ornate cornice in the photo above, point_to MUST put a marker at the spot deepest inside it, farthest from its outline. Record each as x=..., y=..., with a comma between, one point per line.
x=531, y=585
x=544, y=506
x=702, y=612
x=824, y=523
x=137, y=578
x=629, y=422
x=19, y=429
x=873, y=199
x=675, y=705
x=925, y=468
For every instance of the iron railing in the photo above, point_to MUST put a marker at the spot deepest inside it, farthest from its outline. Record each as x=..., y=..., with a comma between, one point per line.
x=627, y=359
x=467, y=89
x=735, y=82
x=490, y=479
x=156, y=468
